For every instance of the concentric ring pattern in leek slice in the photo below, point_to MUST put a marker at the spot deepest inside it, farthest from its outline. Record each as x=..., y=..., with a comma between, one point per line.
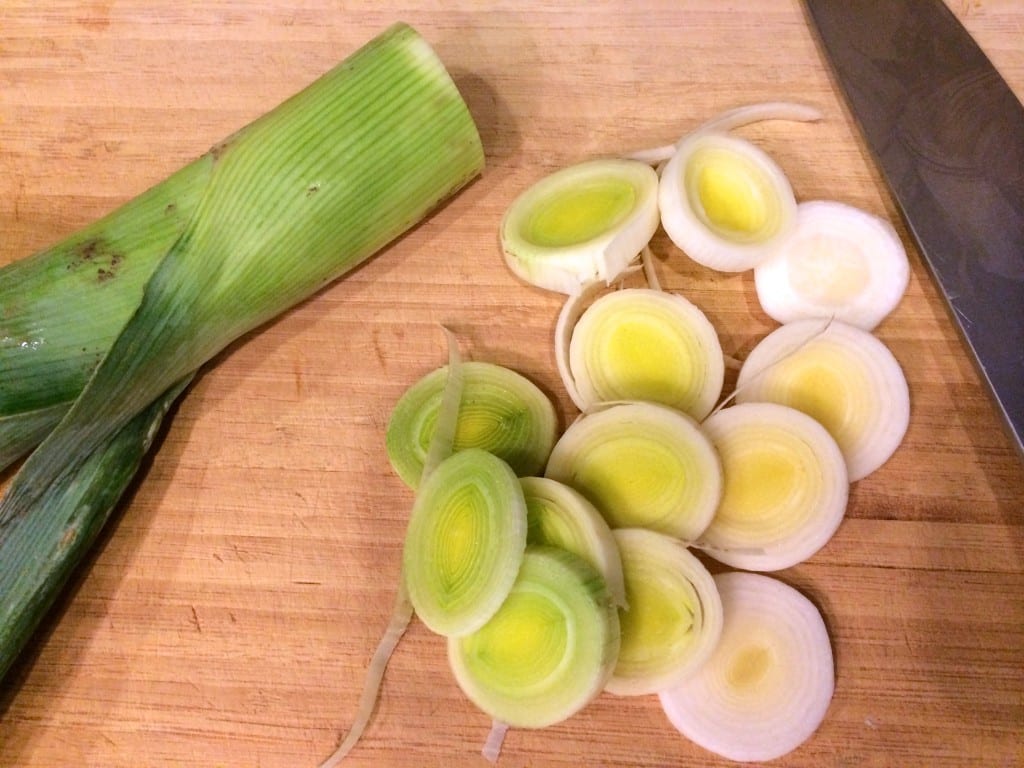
x=501, y=411
x=560, y=516
x=725, y=202
x=642, y=465
x=646, y=344
x=582, y=224
x=674, y=615
x=550, y=648
x=465, y=541
x=843, y=376
x=769, y=682
x=838, y=262
x=786, y=487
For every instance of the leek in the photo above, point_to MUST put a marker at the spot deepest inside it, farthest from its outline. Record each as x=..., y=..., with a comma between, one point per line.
x=550, y=648
x=560, y=516
x=582, y=224
x=646, y=344
x=465, y=541
x=642, y=465
x=769, y=682
x=838, y=262
x=293, y=201
x=842, y=376
x=62, y=308
x=500, y=411
x=674, y=615
x=785, y=491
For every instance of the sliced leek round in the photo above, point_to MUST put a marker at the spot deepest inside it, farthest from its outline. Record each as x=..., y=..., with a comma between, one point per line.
x=646, y=344
x=581, y=224
x=843, y=376
x=560, y=516
x=785, y=489
x=642, y=465
x=550, y=648
x=674, y=615
x=768, y=684
x=839, y=262
x=725, y=202
x=465, y=541
x=500, y=411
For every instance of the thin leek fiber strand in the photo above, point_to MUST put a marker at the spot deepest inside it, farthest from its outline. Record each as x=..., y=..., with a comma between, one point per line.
x=646, y=344
x=62, y=308
x=303, y=195
x=842, y=376
x=732, y=119
x=560, y=516
x=785, y=491
x=642, y=465
x=39, y=553
x=401, y=614
x=465, y=541
x=581, y=224
x=769, y=682
x=501, y=411
x=674, y=617
x=838, y=262
x=549, y=649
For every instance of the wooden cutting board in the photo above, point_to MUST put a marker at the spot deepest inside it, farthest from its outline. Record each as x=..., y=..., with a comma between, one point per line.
x=229, y=612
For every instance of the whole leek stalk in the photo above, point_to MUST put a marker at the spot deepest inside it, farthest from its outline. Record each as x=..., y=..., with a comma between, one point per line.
x=291, y=202
x=62, y=308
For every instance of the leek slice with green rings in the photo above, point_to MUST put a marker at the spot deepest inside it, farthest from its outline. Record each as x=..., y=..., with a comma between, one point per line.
x=560, y=516
x=769, y=682
x=838, y=262
x=642, y=465
x=674, y=617
x=786, y=487
x=581, y=224
x=550, y=648
x=465, y=541
x=842, y=376
x=646, y=344
x=501, y=411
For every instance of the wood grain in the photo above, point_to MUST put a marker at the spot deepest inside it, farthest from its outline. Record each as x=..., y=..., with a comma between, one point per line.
x=228, y=615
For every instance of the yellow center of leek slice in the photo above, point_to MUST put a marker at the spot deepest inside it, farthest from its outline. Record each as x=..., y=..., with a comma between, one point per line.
x=635, y=497
x=750, y=667
x=548, y=650
x=760, y=478
x=825, y=386
x=731, y=194
x=580, y=214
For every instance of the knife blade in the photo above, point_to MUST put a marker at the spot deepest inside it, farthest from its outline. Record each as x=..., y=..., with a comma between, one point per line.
x=947, y=134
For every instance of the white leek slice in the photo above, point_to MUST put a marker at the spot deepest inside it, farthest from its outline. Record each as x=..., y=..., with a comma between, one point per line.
x=768, y=684
x=843, y=376
x=838, y=262
x=560, y=516
x=645, y=344
x=642, y=465
x=786, y=487
x=581, y=224
x=549, y=649
x=500, y=411
x=674, y=618
x=724, y=202
x=465, y=541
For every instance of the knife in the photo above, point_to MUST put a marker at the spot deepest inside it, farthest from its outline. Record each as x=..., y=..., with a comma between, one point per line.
x=948, y=136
